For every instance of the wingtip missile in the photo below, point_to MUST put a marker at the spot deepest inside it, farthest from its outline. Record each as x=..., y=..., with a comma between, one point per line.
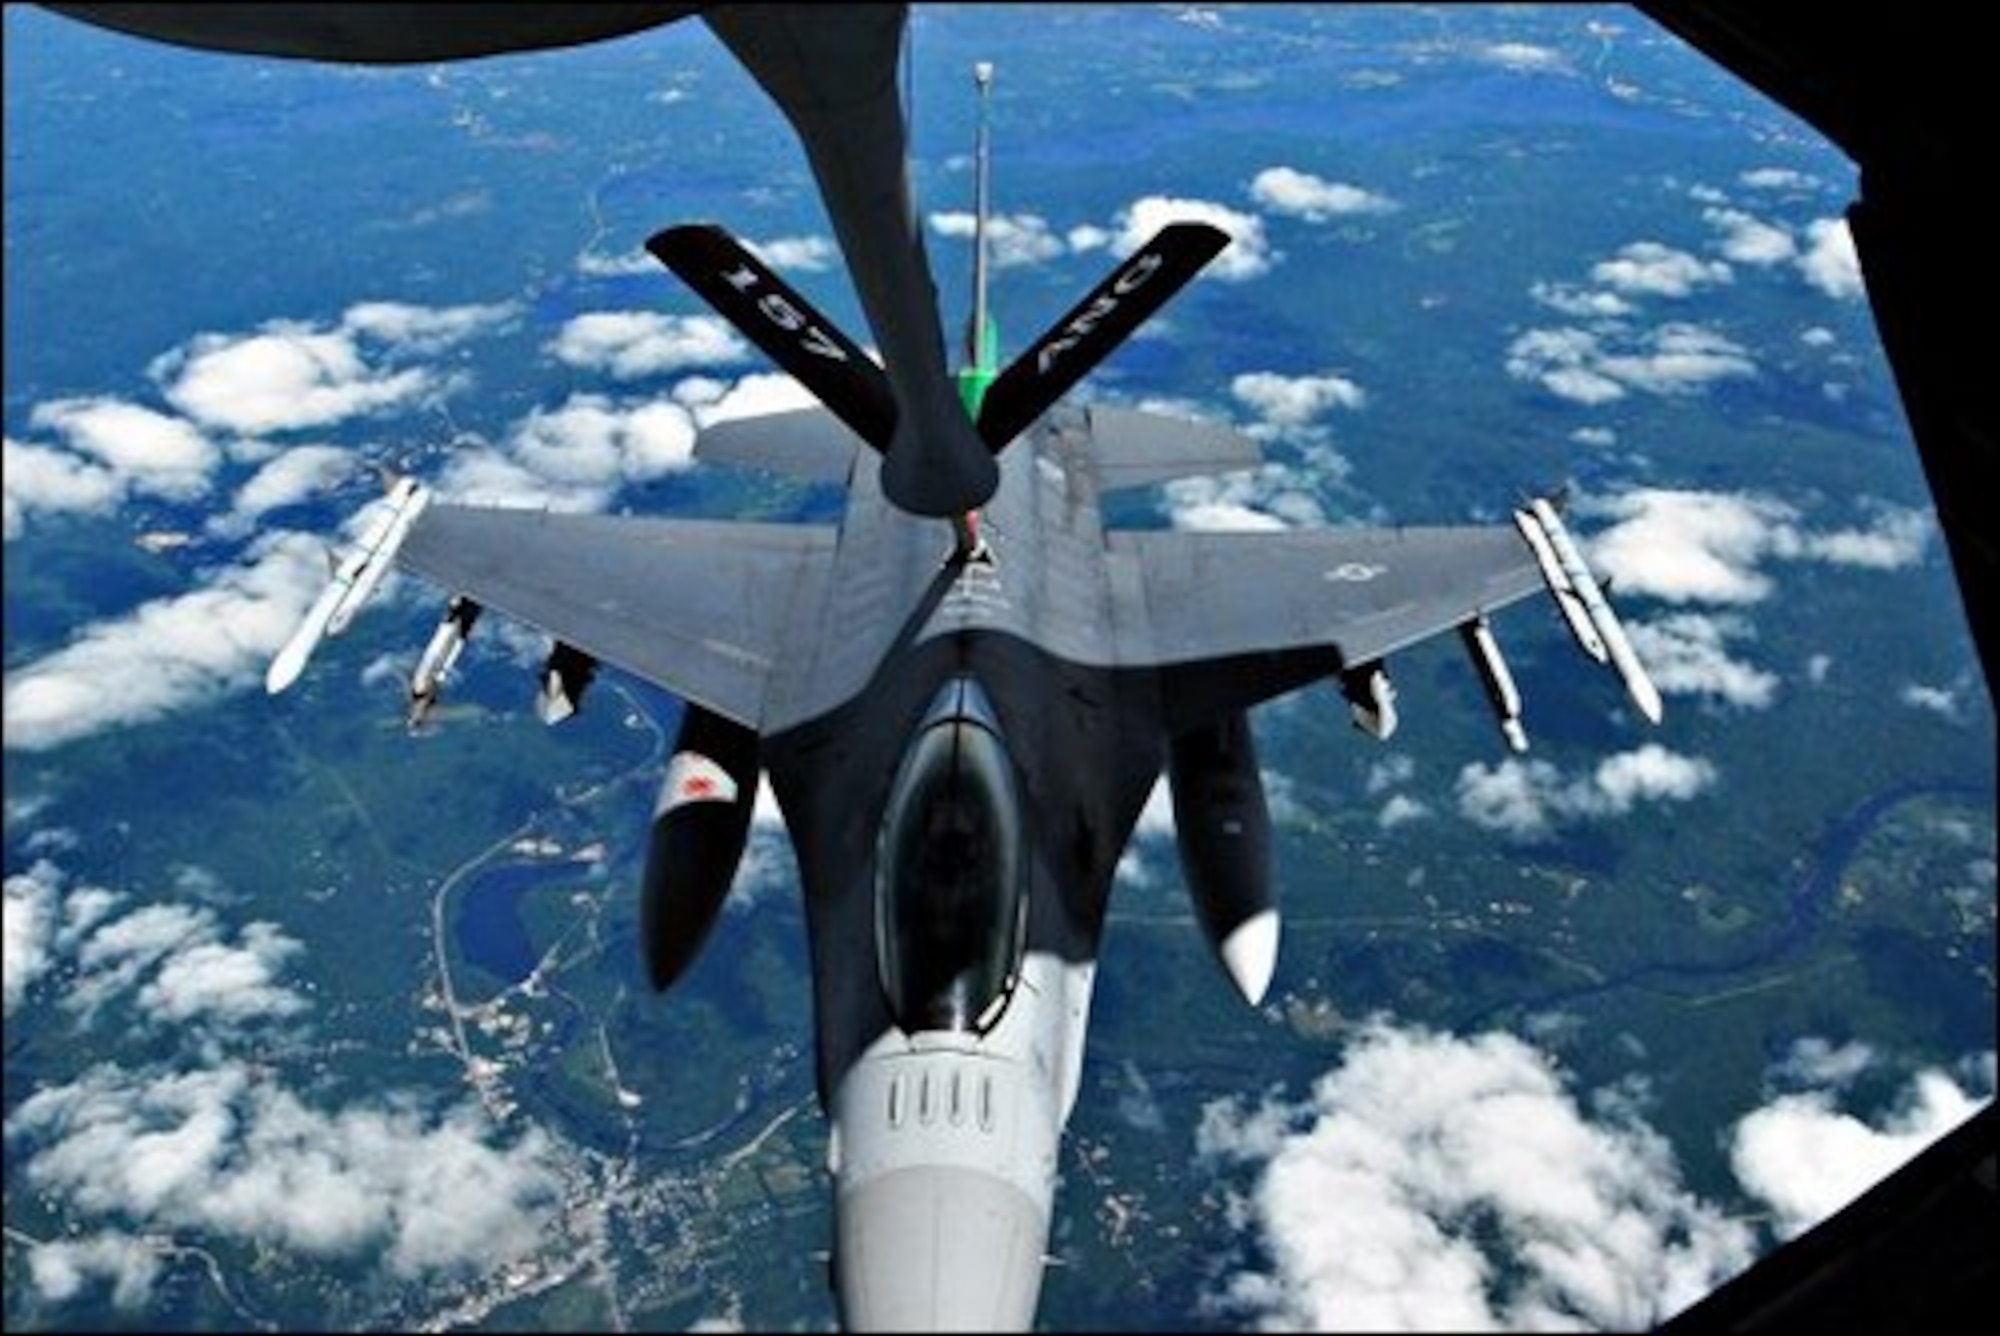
x=353, y=580
x=1610, y=631
x=1575, y=616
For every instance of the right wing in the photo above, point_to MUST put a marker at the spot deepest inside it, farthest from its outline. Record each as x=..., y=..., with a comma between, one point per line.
x=702, y=608
x=1364, y=592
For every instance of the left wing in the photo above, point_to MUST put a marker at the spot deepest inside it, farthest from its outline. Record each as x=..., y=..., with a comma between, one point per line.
x=702, y=608
x=1362, y=592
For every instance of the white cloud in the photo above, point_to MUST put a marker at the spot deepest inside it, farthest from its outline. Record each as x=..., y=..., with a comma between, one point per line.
x=1777, y=178
x=292, y=374
x=1012, y=239
x=424, y=329
x=753, y=395
x=286, y=479
x=1248, y=255
x=59, y=1269
x=1815, y=1062
x=1580, y=303
x=169, y=653
x=1650, y=269
x=1303, y=195
x=1750, y=240
x=38, y=478
x=1388, y=774
x=1528, y=800
x=1438, y=1183
x=1829, y=261
x=1688, y=654
x=632, y=345
x=1294, y=401
x=1523, y=57
x=1400, y=810
x=799, y=255
x=29, y=920
x=1806, y=1159
x=151, y=451
x=638, y=260
x=1938, y=700
x=1087, y=237
x=178, y=964
x=1710, y=546
x=1591, y=367
x=1270, y=497
x=289, y=377
x=594, y=442
x=224, y=1150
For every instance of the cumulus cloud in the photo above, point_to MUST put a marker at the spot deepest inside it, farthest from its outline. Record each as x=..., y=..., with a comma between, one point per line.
x=1270, y=497
x=60, y=1269
x=1249, y=254
x=799, y=255
x=423, y=329
x=178, y=961
x=1750, y=240
x=286, y=479
x=591, y=439
x=1650, y=269
x=1597, y=366
x=37, y=478
x=1302, y=195
x=110, y=450
x=150, y=451
x=1580, y=303
x=1012, y=239
x=1829, y=261
x=1806, y=1159
x=224, y=1150
x=632, y=345
x=170, y=653
x=29, y=919
x=597, y=264
x=1529, y=800
x=1294, y=401
x=1710, y=546
x=223, y=1147
x=1688, y=654
x=293, y=374
x=1471, y=1191
x=1523, y=57
x=1777, y=178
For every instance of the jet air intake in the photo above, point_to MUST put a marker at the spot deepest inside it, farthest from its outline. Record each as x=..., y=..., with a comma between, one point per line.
x=700, y=825
x=1222, y=824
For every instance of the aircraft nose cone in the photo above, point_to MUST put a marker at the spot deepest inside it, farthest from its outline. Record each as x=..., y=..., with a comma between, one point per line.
x=939, y=1249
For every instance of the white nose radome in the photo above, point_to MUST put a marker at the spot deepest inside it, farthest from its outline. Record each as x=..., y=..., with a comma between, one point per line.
x=939, y=1249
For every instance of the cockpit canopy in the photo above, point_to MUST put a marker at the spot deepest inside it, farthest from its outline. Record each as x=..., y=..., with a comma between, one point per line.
x=951, y=868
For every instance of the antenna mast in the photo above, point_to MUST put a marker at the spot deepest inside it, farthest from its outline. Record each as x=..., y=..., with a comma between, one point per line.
x=981, y=351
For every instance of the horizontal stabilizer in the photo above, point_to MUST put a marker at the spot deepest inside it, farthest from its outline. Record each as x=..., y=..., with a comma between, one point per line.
x=1093, y=327
x=809, y=444
x=1131, y=448
x=745, y=292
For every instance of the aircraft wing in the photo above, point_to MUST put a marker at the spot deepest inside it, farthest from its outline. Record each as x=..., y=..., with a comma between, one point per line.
x=1363, y=592
x=701, y=608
